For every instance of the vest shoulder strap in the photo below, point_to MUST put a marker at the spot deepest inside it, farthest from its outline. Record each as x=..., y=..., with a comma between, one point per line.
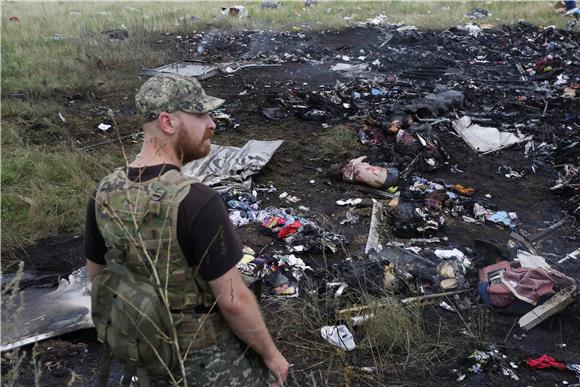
x=177, y=178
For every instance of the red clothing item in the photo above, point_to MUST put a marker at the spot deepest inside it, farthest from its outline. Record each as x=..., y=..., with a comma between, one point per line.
x=545, y=361
x=289, y=229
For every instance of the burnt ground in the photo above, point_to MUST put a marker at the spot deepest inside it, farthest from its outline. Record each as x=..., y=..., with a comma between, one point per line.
x=410, y=65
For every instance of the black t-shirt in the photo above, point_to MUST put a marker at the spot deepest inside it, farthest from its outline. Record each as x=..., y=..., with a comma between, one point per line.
x=203, y=226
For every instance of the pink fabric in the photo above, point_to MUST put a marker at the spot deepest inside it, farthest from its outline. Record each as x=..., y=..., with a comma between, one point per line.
x=273, y=222
x=531, y=284
x=358, y=171
x=527, y=284
x=500, y=296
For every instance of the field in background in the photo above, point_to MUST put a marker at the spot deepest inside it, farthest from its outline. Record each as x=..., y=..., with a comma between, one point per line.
x=60, y=45
x=56, y=50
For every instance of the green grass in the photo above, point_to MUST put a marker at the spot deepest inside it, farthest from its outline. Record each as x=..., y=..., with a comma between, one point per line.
x=37, y=66
x=44, y=192
x=401, y=331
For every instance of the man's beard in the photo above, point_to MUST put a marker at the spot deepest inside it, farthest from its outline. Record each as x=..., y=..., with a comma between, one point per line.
x=186, y=150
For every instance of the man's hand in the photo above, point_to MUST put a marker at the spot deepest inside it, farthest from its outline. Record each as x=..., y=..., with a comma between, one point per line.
x=278, y=365
x=242, y=313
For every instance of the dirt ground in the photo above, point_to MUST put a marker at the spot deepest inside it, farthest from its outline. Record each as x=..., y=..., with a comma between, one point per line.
x=491, y=90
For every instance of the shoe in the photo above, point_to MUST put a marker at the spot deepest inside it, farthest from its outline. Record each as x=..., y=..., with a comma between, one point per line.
x=338, y=336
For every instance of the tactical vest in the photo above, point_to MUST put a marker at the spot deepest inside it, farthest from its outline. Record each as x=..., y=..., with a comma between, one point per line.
x=138, y=221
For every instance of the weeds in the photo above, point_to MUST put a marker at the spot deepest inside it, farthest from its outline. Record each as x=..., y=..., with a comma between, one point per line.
x=12, y=309
x=399, y=342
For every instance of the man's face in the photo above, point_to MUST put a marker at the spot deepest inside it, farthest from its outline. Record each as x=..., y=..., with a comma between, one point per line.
x=194, y=136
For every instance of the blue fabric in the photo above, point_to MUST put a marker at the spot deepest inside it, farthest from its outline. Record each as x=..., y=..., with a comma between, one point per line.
x=482, y=289
x=501, y=217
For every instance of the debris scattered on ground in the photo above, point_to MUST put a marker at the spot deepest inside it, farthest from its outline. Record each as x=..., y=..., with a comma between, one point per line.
x=282, y=273
x=227, y=166
x=298, y=232
x=117, y=34
x=556, y=304
x=447, y=217
x=477, y=13
x=196, y=70
x=238, y=10
x=57, y=37
x=545, y=361
x=349, y=202
x=512, y=288
x=104, y=127
x=493, y=360
x=270, y=4
x=42, y=312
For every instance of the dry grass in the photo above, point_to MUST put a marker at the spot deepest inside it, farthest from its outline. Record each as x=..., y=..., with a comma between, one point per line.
x=12, y=310
x=400, y=345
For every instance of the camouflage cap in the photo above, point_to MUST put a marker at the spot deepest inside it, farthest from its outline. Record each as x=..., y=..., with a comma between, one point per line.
x=172, y=93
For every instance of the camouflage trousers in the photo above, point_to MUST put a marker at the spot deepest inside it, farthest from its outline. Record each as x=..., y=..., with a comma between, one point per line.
x=228, y=363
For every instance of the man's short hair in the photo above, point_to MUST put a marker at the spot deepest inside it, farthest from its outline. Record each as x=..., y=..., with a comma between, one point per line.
x=171, y=93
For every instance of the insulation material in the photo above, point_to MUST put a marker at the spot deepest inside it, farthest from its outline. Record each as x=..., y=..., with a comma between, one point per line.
x=485, y=139
x=228, y=166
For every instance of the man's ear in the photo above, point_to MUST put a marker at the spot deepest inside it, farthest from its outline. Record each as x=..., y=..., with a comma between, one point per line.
x=168, y=122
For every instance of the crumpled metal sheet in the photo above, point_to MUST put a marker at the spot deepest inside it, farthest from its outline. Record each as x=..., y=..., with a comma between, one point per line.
x=37, y=312
x=196, y=70
x=228, y=166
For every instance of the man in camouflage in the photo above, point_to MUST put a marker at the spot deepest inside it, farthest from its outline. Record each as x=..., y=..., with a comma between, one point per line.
x=149, y=215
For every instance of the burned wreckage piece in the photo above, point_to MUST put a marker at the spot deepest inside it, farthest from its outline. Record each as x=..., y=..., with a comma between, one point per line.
x=437, y=103
x=415, y=146
x=412, y=147
x=408, y=220
x=385, y=270
x=39, y=311
x=418, y=152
